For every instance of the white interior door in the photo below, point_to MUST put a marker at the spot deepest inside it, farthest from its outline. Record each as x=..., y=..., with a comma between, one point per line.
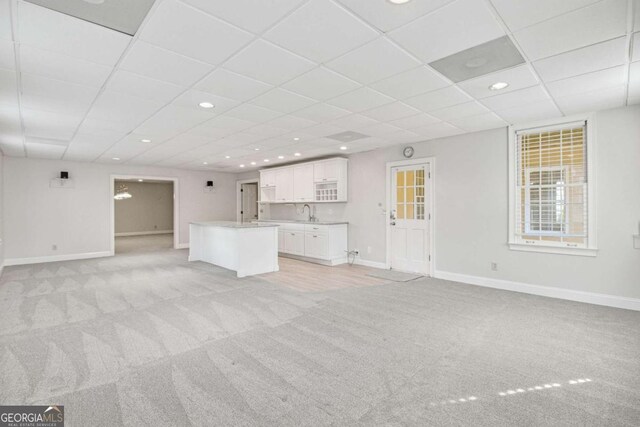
x=409, y=219
x=249, y=202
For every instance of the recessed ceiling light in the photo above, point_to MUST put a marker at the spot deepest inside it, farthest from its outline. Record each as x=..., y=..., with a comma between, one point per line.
x=206, y=105
x=498, y=86
x=145, y=140
x=297, y=154
x=115, y=158
x=140, y=180
x=253, y=163
x=205, y=163
x=256, y=149
x=399, y=1
x=241, y=166
x=343, y=148
x=266, y=160
x=296, y=139
x=281, y=157
x=227, y=157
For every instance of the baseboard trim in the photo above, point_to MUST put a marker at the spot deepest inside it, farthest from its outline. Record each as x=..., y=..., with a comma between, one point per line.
x=183, y=246
x=367, y=263
x=545, y=291
x=143, y=233
x=55, y=258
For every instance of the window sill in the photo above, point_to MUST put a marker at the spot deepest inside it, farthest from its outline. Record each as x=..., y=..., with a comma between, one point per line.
x=592, y=252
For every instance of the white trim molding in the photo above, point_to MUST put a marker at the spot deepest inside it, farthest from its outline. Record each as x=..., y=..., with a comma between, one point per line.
x=182, y=246
x=545, y=291
x=143, y=233
x=55, y=258
x=373, y=264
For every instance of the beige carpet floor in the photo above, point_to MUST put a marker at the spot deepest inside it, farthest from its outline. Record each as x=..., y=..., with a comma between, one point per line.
x=151, y=339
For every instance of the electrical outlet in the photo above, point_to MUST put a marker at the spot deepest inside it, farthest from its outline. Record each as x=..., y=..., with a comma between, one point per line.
x=494, y=266
x=54, y=247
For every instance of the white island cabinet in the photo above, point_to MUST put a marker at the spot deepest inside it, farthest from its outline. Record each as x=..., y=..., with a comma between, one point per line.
x=246, y=248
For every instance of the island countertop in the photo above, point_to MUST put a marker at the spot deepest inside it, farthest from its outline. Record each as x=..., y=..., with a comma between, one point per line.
x=232, y=224
x=296, y=221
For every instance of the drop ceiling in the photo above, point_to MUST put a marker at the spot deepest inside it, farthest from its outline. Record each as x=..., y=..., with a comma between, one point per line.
x=284, y=76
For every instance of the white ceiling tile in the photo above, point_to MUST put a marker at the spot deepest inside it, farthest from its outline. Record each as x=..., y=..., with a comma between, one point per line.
x=39, y=93
x=386, y=16
x=437, y=130
x=143, y=87
x=5, y=20
x=380, y=130
x=592, y=24
x=635, y=55
x=161, y=64
x=412, y=122
x=411, y=83
x=360, y=100
x=252, y=15
x=516, y=98
x=48, y=30
x=585, y=60
x=458, y=111
x=437, y=99
x=45, y=151
x=227, y=123
x=601, y=99
x=62, y=67
x=518, y=78
x=128, y=110
x=321, y=83
x=588, y=82
x=186, y=30
x=282, y=100
x=374, y=61
x=7, y=56
x=393, y=111
x=268, y=63
x=11, y=138
x=634, y=83
x=518, y=14
x=353, y=121
x=232, y=85
x=87, y=148
x=530, y=112
x=172, y=120
x=323, y=130
x=102, y=128
x=130, y=146
x=265, y=131
x=320, y=30
x=291, y=122
x=8, y=88
x=253, y=113
x=322, y=113
x=403, y=136
x=478, y=122
x=451, y=29
x=45, y=124
x=193, y=98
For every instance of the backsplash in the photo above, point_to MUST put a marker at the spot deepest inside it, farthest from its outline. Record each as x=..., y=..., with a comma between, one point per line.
x=290, y=211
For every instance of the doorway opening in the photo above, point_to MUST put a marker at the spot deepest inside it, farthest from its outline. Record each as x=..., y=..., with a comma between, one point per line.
x=144, y=214
x=247, y=200
x=410, y=221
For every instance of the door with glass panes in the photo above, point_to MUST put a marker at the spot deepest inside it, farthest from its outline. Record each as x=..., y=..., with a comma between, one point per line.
x=409, y=219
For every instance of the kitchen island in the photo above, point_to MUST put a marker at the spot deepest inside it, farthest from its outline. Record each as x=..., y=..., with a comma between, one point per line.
x=246, y=248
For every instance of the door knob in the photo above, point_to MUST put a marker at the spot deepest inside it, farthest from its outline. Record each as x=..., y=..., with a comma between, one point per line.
x=393, y=223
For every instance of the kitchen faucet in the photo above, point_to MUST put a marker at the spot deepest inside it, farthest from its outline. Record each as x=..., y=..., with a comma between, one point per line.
x=312, y=218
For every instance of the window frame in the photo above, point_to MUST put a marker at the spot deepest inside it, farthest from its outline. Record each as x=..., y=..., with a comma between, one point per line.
x=514, y=242
x=527, y=200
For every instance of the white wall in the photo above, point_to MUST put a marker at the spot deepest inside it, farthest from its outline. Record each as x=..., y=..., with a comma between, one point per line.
x=471, y=193
x=1, y=213
x=78, y=220
x=150, y=209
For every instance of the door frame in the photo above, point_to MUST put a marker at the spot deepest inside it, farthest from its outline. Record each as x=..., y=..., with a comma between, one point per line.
x=176, y=205
x=239, y=195
x=430, y=185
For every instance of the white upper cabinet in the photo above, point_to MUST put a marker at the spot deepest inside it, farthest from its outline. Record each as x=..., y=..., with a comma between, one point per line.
x=268, y=178
x=319, y=181
x=284, y=185
x=303, y=182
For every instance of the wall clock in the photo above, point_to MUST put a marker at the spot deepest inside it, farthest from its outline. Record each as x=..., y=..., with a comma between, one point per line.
x=408, y=152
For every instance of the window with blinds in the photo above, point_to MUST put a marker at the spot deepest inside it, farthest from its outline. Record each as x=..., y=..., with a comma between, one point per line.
x=551, y=206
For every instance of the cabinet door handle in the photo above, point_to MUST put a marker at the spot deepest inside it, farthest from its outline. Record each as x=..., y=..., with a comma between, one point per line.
x=315, y=235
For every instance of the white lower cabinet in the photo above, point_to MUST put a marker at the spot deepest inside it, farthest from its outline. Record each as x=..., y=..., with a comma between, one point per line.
x=326, y=243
